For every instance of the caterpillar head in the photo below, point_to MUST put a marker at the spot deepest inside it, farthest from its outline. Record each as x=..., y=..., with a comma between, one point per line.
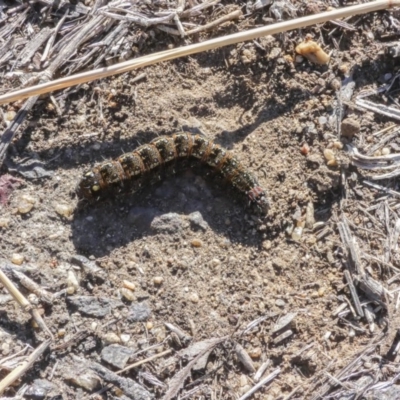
x=89, y=187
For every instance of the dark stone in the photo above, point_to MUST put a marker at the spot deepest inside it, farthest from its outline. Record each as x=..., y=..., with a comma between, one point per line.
x=39, y=389
x=197, y=221
x=93, y=306
x=116, y=355
x=139, y=312
x=168, y=223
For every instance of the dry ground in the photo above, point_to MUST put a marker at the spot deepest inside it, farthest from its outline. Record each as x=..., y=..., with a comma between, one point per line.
x=214, y=273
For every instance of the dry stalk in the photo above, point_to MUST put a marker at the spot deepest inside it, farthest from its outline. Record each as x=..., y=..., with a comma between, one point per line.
x=263, y=382
x=21, y=369
x=24, y=303
x=197, y=48
x=146, y=360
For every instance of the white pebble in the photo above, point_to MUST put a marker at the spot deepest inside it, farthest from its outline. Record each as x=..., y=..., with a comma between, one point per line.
x=385, y=151
x=297, y=232
x=17, y=259
x=4, y=222
x=24, y=207
x=9, y=115
x=125, y=338
x=129, y=285
x=33, y=299
x=194, y=297
x=72, y=281
x=111, y=337
x=158, y=280
x=329, y=154
x=65, y=210
x=127, y=294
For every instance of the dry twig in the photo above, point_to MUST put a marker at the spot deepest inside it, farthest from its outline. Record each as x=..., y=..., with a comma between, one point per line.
x=21, y=369
x=197, y=48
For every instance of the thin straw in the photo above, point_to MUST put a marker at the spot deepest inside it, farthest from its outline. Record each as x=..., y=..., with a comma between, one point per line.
x=196, y=48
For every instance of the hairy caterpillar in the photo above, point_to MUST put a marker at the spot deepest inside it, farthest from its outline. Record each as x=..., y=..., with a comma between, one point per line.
x=132, y=170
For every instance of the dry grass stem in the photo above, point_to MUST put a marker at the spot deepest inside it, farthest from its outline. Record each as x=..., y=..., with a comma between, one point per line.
x=23, y=302
x=21, y=369
x=146, y=360
x=196, y=48
x=263, y=382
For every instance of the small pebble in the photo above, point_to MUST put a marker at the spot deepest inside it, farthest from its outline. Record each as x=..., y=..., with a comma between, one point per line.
x=243, y=380
x=158, y=280
x=64, y=210
x=329, y=154
x=280, y=303
x=196, y=243
x=159, y=334
x=5, y=348
x=387, y=76
x=350, y=127
x=110, y=338
x=17, y=259
x=194, y=297
x=33, y=299
x=72, y=281
x=255, y=353
x=385, y=151
x=61, y=333
x=297, y=232
x=310, y=218
x=215, y=262
x=70, y=290
x=322, y=120
x=305, y=149
x=352, y=332
x=344, y=68
x=9, y=115
x=24, y=207
x=4, y=222
x=321, y=291
x=87, y=380
x=127, y=294
x=377, y=153
x=267, y=245
x=149, y=325
x=125, y=338
x=129, y=285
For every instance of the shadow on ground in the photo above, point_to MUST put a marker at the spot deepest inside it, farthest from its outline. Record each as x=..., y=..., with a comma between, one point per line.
x=169, y=208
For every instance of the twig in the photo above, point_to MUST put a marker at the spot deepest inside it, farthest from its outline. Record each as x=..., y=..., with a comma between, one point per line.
x=46, y=76
x=24, y=303
x=18, y=296
x=197, y=48
x=266, y=380
x=28, y=283
x=146, y=360
x=219, y=21
x=21, y=369
x=354, y=294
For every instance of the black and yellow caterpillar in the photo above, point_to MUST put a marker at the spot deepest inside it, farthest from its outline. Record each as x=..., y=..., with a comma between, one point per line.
x=132, y=170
